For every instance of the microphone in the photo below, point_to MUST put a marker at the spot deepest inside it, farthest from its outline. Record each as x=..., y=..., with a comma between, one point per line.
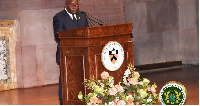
x=93, y=20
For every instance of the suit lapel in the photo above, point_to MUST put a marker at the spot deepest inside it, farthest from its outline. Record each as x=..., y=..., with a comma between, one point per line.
x=68, y=20
x=78, y=18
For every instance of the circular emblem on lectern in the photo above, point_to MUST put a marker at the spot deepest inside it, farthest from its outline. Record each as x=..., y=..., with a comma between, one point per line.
x=112, y=56
x=173, y=93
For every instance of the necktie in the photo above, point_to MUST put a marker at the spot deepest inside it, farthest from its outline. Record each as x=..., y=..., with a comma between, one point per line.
x=75, y=21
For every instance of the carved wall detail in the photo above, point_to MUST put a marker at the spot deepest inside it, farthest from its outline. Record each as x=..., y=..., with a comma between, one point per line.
x=8, y=76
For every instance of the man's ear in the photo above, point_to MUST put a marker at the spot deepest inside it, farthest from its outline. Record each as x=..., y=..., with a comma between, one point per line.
x=65, y=6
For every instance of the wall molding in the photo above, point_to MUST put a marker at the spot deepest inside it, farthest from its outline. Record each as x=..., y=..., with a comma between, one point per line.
x=158, y=65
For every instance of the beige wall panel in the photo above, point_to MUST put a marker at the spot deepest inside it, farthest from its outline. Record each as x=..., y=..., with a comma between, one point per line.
x=29, y=66
x=189, y=47
x=36, y=26
x=172, y=51
x=187, y=14
x=136, y=13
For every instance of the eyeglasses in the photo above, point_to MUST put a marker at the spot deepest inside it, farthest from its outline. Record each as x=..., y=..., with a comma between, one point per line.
x=74, y=5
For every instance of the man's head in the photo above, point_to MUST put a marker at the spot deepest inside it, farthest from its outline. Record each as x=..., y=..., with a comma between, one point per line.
x=72, y=6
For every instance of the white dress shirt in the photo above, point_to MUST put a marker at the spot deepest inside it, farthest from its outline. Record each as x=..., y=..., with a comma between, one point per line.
x=71, y=14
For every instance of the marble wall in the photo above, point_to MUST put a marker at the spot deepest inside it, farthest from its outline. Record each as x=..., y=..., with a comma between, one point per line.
x=164, y=30
x=37, y=48
x=188, y=31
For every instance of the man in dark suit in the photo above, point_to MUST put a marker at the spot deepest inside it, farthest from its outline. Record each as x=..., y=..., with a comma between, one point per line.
x=67, y=19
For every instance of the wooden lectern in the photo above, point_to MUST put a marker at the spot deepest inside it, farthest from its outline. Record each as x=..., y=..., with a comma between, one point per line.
x=80, y=55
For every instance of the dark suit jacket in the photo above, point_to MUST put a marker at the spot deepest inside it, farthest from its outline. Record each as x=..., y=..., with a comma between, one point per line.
x=62, y=21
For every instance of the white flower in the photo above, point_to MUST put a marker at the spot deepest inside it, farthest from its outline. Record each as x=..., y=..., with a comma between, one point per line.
x=149, y=100
x=111, y=79
x=111, y=85
x=106, y=90
x=136, y=75
x=141, y=83
x=117, y=98
x=130, y=96
x=111, y=103
x=92, y=95
x=101, y=84
x=127, y=72
x=125, y=81
x=155, y=94
x=80, y=95
x=99, y=90
x=143, y=93
x=124, y=77
x=146, y=80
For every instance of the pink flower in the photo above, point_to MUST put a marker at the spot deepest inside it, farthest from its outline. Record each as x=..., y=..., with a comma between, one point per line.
x=104, y=75
x=94, y=100
x=130, y=101
x=152, y=89
x=120, y=89
x=100, y=101
x=137, y=102
x=115, y=101
x=112, y=91
x=129, y=93
x=121, y=102
x=133, y=81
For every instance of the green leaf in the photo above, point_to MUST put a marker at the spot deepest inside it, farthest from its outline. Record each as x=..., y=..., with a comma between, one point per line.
x=87, y=99
x=80, y=96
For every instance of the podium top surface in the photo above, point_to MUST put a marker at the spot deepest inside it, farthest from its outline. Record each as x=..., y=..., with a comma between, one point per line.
x=97, y=31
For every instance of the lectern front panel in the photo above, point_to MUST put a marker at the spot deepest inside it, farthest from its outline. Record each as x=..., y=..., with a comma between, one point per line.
x=80, y=55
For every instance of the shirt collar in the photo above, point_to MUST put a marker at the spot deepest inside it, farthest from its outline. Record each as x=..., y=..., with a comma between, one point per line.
x=71, y=14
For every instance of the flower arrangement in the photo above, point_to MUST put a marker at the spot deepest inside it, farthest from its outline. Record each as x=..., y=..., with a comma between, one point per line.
x=133, y=90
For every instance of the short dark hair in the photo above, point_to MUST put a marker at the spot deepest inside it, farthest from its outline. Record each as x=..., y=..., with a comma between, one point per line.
x=67, y=1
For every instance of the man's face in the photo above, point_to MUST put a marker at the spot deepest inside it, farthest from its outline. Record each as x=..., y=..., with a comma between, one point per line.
x=72, y=6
